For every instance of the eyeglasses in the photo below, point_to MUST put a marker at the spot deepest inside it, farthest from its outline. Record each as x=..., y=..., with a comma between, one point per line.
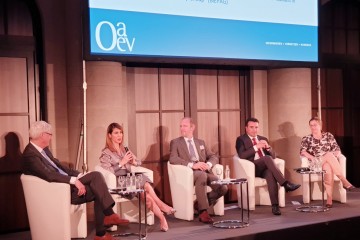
x=48, y=133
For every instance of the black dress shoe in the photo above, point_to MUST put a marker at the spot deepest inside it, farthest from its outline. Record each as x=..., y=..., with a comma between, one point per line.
x=289, y=187
x=276, y=210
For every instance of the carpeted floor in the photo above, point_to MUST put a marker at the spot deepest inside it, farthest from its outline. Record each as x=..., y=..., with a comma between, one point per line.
x=340, y=222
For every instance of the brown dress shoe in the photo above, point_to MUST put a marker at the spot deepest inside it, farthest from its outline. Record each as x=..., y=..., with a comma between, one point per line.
x=105, y=237
x=114, y=219
x=205, y=217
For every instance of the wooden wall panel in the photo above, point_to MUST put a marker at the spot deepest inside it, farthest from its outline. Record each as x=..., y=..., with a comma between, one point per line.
x=147, y=89
x=172, y=89
x=146, y=126
x=229, y=129
x=229, y=90
x=19, y=125
x=213, y=100
x=171, y=126
x=206, y=88
x=13, y=82
x=207, y=129
x=333, y=89
x=353, y=41
x=19, y=20
x=340, y=41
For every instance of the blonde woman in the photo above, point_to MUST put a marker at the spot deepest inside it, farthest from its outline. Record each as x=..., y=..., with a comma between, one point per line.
x=322, y=145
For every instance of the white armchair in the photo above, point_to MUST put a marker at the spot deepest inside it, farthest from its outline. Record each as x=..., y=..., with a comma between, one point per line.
x=51, y=215
x=183, y=192
x=127, y=209
x=258, y=190
x=339, y=193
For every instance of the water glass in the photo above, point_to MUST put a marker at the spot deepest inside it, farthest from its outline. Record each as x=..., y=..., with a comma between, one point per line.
x=138, y=181
x=129, y=182
x=315, y=165
x=122, y=183
x=219, y=173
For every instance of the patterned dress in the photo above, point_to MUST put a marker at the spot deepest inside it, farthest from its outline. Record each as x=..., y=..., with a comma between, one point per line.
x=318, y=148
x=110, y=161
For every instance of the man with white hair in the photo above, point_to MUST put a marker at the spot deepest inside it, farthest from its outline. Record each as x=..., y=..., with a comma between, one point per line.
x=39, y=161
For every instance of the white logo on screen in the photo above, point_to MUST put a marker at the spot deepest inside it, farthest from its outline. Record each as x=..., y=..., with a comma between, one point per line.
x=119, y=37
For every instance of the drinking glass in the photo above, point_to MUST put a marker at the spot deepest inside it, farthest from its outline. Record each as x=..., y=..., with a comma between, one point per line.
x=315, y=164
x=129, y=181
x=122, y=183
x=219, y=173
x=318, y=166
x=138, y=181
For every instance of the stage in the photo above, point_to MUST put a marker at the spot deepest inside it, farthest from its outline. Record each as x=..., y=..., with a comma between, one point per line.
x=340, y=222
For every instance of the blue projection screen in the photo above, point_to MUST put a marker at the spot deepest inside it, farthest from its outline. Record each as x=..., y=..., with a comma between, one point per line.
x=282, y=30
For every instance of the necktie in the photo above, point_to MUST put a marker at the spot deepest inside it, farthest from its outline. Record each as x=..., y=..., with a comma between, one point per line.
x=259, y=150
x=192, y=151
x=52, y=163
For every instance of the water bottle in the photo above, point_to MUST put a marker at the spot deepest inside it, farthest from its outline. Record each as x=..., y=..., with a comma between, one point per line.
x=227, y=172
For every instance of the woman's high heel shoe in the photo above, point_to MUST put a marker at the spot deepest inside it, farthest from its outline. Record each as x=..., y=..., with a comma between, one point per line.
x=171, y=211
x=164, y=226
x=349, y=188
x=328, y=205
x=164, y=229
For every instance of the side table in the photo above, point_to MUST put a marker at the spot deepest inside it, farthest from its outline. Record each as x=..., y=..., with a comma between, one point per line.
x=142, y=233
x=309, y=207
x=235, y=223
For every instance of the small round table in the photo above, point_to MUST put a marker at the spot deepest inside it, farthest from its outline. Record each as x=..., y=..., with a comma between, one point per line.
x=142, y=233
x=308, y=207
x=235, y=223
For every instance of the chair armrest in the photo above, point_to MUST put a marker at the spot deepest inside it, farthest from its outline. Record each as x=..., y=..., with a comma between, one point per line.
x=243, y=168
x=342, y=161
x=280, y=163
x=341, y=158
x=44, y=189
x=181, y=179
x=304, y=161
x=110, y=178
x=147, y=172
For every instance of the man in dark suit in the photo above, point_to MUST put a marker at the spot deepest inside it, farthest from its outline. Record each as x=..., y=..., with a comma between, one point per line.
x=193, y=153
x=256, y=149
x=39, y=161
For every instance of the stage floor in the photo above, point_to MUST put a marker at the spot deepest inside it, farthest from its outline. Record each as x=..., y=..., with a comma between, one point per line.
x=340, y=222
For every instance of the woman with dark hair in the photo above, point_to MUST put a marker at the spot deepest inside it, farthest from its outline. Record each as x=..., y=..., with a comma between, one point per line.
x=322, y=146
x=117, y=158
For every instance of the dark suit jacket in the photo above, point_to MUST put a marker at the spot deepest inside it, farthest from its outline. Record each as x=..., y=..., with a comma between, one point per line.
x=179, y=152
x=245, y=147
x=35, y=164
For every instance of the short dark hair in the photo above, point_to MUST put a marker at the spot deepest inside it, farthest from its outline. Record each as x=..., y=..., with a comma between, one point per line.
x=251, y=119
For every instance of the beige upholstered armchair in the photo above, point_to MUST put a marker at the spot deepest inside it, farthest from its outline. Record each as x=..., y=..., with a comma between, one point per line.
x=339, y=193
x=183, y=192
x=127, y=209
x=258, y=190
x=51, y=215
